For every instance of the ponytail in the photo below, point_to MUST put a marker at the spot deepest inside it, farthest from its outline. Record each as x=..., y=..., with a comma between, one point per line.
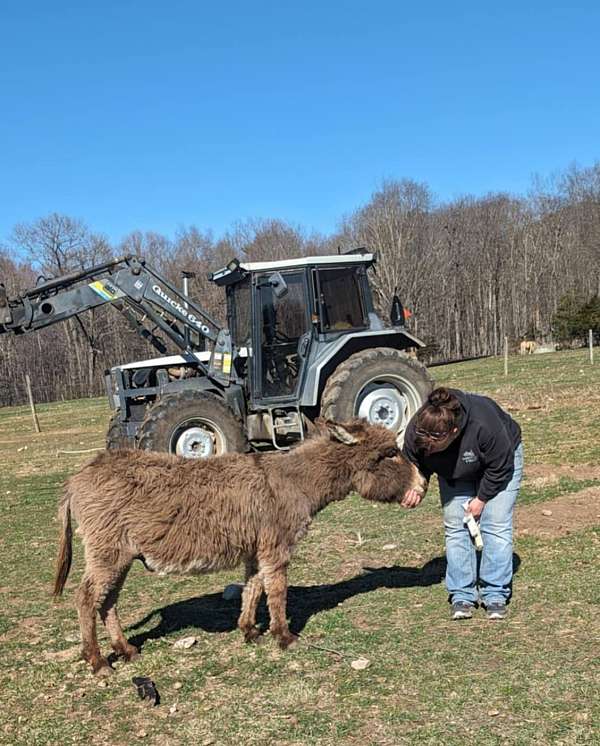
x=442, y=398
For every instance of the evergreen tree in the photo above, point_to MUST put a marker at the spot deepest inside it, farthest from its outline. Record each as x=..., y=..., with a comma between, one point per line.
x=589, y=317
x=565, y=322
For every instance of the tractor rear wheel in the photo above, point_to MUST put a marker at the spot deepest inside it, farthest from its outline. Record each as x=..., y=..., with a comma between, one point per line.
x=192, y=424
x=382, y=385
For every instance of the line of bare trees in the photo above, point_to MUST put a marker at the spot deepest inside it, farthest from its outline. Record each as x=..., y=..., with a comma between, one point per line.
x=472, y=271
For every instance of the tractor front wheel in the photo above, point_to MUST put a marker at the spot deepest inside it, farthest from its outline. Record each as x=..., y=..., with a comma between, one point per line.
x=191, y=424
x=382, y=385
x=116, y=435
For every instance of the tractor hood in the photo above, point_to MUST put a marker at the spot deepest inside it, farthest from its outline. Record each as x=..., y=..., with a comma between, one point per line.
x=173, y=360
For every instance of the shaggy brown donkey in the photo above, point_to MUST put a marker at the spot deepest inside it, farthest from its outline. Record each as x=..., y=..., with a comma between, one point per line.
x=198, y=516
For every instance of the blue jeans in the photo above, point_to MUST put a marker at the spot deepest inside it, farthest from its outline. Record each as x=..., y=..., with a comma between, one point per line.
x=496, y=525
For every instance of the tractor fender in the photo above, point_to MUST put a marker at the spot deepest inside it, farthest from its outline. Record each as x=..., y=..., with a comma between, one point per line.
x=325, y=357
x=233, y=395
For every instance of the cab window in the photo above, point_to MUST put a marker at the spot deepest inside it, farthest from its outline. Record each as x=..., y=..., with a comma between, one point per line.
x=340, y=299
x=242, y=312
x=284, y=320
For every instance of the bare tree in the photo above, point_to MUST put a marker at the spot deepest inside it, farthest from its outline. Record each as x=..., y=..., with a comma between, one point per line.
x=472, y=270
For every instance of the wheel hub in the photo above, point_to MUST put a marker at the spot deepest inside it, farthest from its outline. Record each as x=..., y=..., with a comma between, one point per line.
x=195, y=442
x=384, y=406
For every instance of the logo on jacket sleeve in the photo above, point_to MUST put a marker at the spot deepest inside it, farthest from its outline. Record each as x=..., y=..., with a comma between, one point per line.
x=469, y=457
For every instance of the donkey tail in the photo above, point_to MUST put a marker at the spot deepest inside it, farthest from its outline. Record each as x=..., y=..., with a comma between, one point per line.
x=65, y=550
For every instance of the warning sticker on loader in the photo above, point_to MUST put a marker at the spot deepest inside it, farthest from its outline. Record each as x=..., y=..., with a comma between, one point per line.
x=105, y=290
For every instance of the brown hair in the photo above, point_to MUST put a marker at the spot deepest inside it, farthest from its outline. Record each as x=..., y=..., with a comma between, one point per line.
x=437, y=418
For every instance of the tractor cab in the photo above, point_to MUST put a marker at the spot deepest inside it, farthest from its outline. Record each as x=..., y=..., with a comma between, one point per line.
x=278, y=311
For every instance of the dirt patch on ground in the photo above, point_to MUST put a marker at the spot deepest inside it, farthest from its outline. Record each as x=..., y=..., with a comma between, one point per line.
x=556, y=471
x=561, y=516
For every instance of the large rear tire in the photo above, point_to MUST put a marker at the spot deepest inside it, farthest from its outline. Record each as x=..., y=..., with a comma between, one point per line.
x=191, y=424
x=383, y=385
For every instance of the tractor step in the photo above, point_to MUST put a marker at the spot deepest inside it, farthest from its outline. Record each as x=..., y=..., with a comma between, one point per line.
x=283, y=424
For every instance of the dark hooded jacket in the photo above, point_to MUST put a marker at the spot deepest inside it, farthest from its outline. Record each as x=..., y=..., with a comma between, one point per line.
x=482, y=452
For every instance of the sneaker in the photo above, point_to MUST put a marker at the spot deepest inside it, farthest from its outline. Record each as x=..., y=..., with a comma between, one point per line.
x=496, y=610
x=462, y=610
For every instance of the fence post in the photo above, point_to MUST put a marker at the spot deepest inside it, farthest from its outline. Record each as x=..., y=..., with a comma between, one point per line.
x=591, y=340
x=506, y=356
x=36, y=422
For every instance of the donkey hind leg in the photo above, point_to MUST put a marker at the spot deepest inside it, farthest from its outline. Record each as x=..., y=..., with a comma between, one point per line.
x=86, y=610
x=110, y=619
x=275, y=583
x=250, y=568
x=250, y=599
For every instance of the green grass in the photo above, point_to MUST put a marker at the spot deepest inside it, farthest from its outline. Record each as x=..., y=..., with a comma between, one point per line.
x=530, y=680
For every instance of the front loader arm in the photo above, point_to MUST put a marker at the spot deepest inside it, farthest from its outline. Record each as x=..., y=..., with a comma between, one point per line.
x=27, y=314
x=147, y=300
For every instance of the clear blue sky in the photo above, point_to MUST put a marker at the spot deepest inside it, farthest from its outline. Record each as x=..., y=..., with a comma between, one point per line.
x=154, y=115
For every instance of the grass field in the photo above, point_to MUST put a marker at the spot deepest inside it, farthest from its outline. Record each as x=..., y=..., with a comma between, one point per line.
x=366, y=582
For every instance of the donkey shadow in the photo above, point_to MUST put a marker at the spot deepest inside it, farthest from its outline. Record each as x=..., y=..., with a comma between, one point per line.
x=212, y=613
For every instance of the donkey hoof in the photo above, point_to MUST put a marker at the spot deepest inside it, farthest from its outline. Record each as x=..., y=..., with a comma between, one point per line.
x=130, y=653
x=123, y=651
x=286, y=640
x=253, y=635
x=102, y=668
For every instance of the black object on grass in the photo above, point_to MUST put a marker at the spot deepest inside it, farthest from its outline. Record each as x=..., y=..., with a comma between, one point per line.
x=146, y=690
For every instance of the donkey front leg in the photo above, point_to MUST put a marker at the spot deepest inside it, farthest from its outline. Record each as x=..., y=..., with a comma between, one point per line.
x=275, y=583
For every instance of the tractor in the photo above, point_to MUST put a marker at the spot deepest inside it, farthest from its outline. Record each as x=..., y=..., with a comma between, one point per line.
x=302, y=340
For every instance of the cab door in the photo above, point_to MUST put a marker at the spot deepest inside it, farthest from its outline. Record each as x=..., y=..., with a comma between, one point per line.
x=282, y=331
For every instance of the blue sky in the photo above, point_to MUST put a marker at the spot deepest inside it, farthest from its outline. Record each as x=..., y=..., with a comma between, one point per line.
x=153, y=115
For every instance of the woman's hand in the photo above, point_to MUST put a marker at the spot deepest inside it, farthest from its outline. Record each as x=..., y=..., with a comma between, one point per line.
x=475, y=507
x=411, y=499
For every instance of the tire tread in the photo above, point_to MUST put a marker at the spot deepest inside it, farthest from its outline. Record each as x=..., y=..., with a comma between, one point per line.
x=334, y=385
x=163, y=408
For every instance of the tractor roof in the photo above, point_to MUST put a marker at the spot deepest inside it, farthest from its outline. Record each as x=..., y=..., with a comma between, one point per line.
x=235, y=270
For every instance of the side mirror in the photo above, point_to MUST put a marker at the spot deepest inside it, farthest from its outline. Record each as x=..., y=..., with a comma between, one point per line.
x=278, y=284
x=397, y=312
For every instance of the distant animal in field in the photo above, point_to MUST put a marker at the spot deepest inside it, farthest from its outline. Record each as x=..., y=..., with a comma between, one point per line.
x=199, y=516
x=527, y=347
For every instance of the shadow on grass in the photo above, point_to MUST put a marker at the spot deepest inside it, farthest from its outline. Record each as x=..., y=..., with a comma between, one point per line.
x=212, y=613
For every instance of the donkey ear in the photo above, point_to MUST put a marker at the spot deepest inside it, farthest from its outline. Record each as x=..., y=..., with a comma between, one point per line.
x=338, y=432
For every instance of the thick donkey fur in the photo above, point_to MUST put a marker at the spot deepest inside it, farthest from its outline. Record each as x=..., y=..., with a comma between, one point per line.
x=198, y=516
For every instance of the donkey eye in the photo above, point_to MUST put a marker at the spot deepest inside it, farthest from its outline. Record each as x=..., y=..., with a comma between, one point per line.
x=391, y=453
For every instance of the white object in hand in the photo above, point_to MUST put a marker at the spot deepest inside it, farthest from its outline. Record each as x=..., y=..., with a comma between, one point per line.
x=473, y=527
